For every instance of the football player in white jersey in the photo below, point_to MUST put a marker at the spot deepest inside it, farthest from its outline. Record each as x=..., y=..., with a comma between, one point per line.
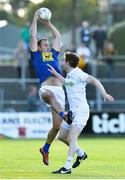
x=75, y=83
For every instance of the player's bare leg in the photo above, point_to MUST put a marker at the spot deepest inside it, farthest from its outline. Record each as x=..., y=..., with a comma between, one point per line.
x=73, y=136
x=64, y=137
x=56, y=126
x=69, y=137
x=51, y=136
x=49, y=98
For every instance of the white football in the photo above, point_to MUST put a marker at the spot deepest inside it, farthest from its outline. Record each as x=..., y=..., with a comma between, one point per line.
x=44, y=14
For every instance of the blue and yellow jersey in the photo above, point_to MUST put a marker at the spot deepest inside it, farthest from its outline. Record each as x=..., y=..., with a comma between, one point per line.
x=40, y=61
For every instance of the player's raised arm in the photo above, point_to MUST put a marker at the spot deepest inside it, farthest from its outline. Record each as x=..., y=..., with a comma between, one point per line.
x=97, y=84
x=56, y=35
x=33, y=33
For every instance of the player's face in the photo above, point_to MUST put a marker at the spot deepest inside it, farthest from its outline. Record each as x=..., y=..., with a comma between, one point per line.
x=44, y=46
x=65, y=64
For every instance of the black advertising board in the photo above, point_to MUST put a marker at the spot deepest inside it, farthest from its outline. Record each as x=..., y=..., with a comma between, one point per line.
x=105, y=123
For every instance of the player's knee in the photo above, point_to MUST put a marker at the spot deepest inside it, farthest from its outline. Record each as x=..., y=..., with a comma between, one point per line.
x=51, y=98
x=47, y=96
x=72, y=140
x=61, y=138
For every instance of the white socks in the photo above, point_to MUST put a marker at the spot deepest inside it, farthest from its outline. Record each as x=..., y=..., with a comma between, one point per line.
x=79, y=151
x=68, y=164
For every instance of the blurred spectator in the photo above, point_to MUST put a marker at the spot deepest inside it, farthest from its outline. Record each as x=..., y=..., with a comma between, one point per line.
x=34, y=104
x=85, y=56
x=43, y=107
x=99, y=36
x=109, y=52
x=32, y=73
x=25, y=35
x=10, y=109
x=70, y=48
x=85, y=33
x=21, y=57
x=32, y=99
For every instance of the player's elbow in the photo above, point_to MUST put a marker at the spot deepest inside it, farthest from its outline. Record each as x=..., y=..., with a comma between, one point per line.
x=58, y=37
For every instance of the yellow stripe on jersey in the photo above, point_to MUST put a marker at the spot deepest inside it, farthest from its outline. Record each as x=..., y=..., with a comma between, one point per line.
x=56, y=50
x=47, y=56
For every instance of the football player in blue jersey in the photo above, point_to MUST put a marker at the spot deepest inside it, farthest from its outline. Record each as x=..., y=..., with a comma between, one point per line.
x=51, y=90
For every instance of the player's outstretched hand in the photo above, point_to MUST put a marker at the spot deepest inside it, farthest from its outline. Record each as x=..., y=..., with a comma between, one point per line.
x=46, y=22
x=109, y=98
x=51, y=69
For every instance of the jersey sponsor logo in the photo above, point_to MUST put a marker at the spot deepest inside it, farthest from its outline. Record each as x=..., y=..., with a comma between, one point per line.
x=69, y=84
x=47, y=56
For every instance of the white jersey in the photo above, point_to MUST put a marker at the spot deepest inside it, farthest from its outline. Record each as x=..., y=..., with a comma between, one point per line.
x=76, y=89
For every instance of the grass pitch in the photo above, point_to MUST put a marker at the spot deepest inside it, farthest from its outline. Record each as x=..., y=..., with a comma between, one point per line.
x=20, y=159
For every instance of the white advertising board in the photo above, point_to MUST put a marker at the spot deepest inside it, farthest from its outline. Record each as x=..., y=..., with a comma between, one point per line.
x=25, y=125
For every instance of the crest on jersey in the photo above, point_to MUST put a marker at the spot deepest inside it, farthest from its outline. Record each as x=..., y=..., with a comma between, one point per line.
x=47, y=56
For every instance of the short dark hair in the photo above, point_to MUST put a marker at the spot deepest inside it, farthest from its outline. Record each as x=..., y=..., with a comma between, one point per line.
x=72, y=58
x=39, y=42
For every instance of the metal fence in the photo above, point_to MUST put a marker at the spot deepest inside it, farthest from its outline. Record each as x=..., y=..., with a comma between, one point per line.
x=7, y=53
x=96, y=104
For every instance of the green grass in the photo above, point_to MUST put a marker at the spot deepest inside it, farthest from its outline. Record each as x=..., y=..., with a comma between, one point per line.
x=21, y=159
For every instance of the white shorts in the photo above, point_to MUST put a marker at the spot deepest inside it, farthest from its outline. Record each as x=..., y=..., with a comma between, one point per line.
x=57, y=91
x=80, y=119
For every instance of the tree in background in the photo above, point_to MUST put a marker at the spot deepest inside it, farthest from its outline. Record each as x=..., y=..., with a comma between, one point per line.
x=67, y=14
